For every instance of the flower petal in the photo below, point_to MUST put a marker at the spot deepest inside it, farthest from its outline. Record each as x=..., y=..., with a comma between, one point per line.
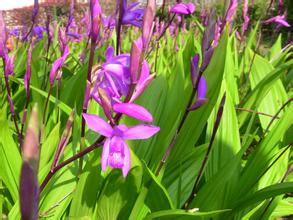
x=133, y=110
x=140, y=132
x=105, y=155
x=127, y=160
x=98, y=124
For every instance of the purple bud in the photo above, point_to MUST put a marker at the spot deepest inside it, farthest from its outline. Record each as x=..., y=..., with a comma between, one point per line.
x=62, y=39
x=9, y=65
x=245, y=16
x=63, y=141
x=148, y=19
x=57, y=65
x=201, y=94
x=96, y=13
x=70, y=17
x=35, y=10
x=194, y=69
x=30, y=149
x=27, y=75
x=28, y=192
x=3, y=49
x=29, y=189
x=135, y=57
x=231, y=10
x=105, y=103
x=87, y=95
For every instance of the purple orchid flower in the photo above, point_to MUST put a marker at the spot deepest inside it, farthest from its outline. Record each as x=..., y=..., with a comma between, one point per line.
x=114, y=77
x=279, y=19
x=116, y=152
x=131, y=15
x=183, y=8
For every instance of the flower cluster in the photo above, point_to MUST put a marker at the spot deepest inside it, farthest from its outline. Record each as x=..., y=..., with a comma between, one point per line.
x=113, y=83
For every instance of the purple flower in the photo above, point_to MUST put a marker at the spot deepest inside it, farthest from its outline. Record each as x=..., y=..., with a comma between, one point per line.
x=279, y=19
x=15, y=32
x=131, y=15
x=38, y=32
x=116, y=152
x=114, y=77
x=183, y=8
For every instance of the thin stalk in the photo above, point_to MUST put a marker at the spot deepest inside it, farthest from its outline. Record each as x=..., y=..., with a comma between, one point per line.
x=11, y=105
x=85, y=105
x=173, y=141
x=204, y=162
x=25, y=112
x=289, y=170
x=46, y=103
x=256, y=112
x=118, y=27
x=97, y=144
x=183, y=119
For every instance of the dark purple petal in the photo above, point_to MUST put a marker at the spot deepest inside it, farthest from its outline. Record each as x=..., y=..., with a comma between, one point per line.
x=140, y=132
x=98, y=125
x=133, y=110
x=197, y=104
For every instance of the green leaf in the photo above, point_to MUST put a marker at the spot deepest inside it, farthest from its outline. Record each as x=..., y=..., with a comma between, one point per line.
x=181, y=214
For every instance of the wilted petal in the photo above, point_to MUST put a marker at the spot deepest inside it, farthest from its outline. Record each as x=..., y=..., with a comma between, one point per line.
x=133, y=110
x=140, y=132
x=98, y=124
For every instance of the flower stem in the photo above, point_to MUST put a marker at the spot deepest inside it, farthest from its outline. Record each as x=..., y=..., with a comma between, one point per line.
x=204, y=162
